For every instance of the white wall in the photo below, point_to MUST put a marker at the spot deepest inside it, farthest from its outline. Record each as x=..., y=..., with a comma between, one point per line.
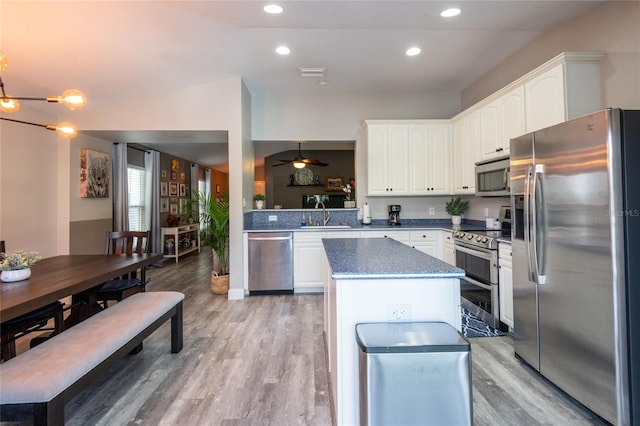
x=34, y=201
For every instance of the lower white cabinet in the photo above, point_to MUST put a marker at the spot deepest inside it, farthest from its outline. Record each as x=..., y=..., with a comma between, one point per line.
x=403, y=236
x=427, y=242
x=505, y=278
x=308, y=251
x=448, y=249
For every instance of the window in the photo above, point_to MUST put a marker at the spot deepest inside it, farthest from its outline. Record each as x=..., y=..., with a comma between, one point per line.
x=136, y=178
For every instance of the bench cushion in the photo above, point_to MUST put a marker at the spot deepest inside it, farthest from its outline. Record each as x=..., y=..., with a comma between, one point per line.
x=41, y=373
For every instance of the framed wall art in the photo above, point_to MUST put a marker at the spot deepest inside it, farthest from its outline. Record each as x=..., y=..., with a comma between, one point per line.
x=173, y=188
x=164, y=205
x=334, y=183
x=95, y=173
x=163, y=189
x=183, y=190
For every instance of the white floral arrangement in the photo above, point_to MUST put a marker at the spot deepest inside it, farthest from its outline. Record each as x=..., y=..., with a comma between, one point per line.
x=347, y=189
x=19, y=260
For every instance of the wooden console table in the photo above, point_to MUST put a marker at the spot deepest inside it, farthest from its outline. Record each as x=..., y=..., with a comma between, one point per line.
x=185, y=239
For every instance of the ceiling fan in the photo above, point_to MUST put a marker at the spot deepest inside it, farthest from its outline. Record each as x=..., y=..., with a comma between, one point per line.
x=299, y=162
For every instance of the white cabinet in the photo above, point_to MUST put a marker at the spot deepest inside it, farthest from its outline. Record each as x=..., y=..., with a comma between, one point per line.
x=402, y=236
x=427, y=242
x=567, y=87
x=448, y=249
x=408, y=157
x=180, y=240
x=505, y=278
x=466, y=152
x=501, y=120
x=388, y=155
x=307, y=260
x=430, y=158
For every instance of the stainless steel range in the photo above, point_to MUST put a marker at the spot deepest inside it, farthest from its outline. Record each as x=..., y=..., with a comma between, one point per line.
x=477, y=254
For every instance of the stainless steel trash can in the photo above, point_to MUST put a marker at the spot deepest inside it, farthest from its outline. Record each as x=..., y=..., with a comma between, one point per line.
x=414, y=373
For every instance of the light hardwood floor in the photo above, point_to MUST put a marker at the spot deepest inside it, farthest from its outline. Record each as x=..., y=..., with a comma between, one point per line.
x=261, y=361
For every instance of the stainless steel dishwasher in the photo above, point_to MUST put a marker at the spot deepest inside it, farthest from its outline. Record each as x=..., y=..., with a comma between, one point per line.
x=270, y=262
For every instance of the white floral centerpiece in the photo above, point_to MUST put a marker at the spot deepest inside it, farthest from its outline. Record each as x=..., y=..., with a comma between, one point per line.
x=348, y=202
x=16, y=266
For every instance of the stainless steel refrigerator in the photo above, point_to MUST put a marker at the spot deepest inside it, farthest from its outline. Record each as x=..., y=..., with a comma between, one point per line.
x=575, y=196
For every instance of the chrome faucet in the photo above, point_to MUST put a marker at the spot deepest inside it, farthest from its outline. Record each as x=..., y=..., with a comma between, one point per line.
x=325, y=214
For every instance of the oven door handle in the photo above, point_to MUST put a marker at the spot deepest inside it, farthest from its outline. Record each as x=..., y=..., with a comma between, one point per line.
x=478, y=283
x=484, y=254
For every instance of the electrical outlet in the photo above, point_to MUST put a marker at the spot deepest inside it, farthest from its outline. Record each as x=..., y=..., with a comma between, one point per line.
x=432, y=211
x=486, y=212
x=273, y=218
x=399, y=312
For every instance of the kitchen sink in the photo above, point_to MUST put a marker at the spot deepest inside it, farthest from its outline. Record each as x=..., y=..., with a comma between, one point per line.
x=326, y=227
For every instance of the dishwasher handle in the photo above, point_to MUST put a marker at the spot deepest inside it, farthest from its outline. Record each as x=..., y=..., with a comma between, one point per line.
x=267, y=237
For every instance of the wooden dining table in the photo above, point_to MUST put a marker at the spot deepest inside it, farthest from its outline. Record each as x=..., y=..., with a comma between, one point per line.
x=57, y=277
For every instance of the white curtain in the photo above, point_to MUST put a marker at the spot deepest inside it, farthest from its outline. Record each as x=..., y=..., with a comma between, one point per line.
x=120, y=188
x=152, y=198
x=207, y=181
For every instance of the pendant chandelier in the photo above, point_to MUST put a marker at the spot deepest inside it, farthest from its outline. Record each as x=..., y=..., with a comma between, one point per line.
x=72, y=99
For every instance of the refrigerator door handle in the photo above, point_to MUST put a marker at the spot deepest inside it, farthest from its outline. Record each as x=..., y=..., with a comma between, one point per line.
x=535, y=256
x=527, y=220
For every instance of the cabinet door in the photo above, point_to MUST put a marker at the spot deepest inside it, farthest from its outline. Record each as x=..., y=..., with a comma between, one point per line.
x=466, y=153
x=398, y=155
x=490, y=124
x=506, y=283
x=377, y=159
x=307, y=260
x=429, y=159
x=513, y=118
x=448, y=249
x=440, y=159
x=545, y=99
x=427, y=242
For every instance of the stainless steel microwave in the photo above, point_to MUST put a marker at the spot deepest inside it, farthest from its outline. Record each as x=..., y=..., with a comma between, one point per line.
x=492, y=177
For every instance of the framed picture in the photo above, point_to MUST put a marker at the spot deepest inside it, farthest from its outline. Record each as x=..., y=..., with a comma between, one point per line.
x=183, y=190
x=174, y=175
x=95, y=167
x=334, y=183
x=182, y=176
x=173, y=209
x=164, y=205
x=173, y=188
x=163, y=189
x=217, y=189
x=164, y=174
x=184, y=206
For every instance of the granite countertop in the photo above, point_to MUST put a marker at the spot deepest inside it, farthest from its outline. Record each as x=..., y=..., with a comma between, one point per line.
x=368, y=258
x=380, y=226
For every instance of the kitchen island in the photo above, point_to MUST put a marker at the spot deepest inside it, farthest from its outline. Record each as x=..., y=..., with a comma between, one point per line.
x=378, y=280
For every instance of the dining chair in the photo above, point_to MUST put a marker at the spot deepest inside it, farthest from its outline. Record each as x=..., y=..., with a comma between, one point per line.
x=31, y=322
x=124, y=242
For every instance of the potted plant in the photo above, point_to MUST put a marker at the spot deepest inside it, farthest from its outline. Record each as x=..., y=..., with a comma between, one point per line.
x=259, y=199
x=348, y=201
x=214, y=215
x=16, y=266
x=456, y=208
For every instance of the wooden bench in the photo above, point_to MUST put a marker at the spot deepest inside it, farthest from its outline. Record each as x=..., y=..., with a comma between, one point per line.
x=46, y=377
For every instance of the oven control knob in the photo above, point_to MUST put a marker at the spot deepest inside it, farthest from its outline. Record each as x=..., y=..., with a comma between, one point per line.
x=470, y=237
x=485, y=239
x=459, y=234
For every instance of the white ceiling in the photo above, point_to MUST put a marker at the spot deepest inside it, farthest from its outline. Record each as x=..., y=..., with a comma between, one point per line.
x=114, y=50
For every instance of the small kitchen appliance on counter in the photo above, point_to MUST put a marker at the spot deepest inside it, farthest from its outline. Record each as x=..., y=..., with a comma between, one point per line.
x=394, y=214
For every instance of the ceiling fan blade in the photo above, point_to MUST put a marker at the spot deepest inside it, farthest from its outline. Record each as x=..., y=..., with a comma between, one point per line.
x=314, y=162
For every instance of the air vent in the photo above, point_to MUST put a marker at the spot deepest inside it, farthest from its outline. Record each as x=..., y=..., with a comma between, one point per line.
x=312, y=72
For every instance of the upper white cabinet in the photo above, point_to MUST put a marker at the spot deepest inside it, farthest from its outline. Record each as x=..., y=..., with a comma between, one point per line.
x=408, y=157
x=429, y=158
x=500, y=120
x=466, y=152
x=566, y=88
x=388, y=157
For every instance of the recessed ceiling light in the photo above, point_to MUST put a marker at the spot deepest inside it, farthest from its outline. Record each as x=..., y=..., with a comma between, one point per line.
x=322, y=82
x=283, y=50
x=448, y=13
x=273, y=9
x=413, y=51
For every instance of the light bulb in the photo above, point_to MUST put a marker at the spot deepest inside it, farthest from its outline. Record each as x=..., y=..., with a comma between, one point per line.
x=9, y=105
x=4, y=61
x=72, y=99
x=299, y=165
x=66, y=130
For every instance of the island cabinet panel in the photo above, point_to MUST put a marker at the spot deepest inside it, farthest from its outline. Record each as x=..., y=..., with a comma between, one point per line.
x=427, y=288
